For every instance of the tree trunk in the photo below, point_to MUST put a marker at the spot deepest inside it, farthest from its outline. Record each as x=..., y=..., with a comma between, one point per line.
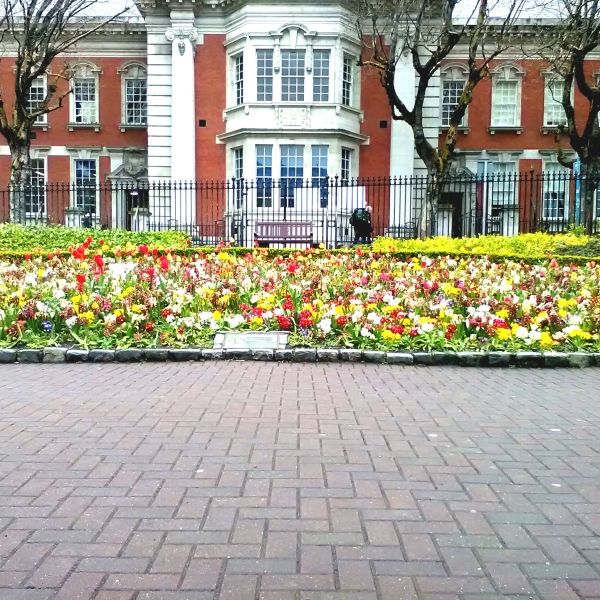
x=590, y=174
x=20, y=175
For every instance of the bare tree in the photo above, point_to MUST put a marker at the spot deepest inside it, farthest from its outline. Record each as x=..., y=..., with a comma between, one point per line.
x=567, y=43
x=35, y=33
x=427, y=32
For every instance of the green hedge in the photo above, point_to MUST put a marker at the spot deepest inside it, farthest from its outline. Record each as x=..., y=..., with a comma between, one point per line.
x=16, y=239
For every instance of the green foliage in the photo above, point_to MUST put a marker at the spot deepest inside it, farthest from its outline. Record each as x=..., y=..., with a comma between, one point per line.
x=530, y=247
x=16, y=239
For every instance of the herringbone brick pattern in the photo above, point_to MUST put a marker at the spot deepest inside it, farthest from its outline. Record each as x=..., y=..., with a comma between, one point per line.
x=259, y=481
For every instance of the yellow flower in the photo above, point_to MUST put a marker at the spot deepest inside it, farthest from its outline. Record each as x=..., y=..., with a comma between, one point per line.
x=322, y=246
x=41, y=272
x=88, y=316
x=546, y=339
x=256, y=320
x=95, y=305
x=117, y=312
x=216, y=315
x=339, y=310
x=503, y=334
x=503, y=314
x=562, y=313
x=76, y=299
x=405, y=322
x=562, y=303
x=136, y=308
x=576, y=332
x=224, y=256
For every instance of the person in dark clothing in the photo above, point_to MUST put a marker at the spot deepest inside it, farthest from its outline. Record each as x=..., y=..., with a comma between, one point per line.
x=361, y=222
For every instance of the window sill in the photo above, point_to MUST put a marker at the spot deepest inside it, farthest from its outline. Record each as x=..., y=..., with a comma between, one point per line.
x=124, y=127
x=504, y=129
x=546, y=129
x=42, y=126
x=94, y=126
x=463, y=130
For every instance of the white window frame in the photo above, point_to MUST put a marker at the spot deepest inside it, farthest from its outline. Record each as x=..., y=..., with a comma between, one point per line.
x=299, y=78
x=38, y=215
x=85, y=155
x=287, y=199
x=322, y=96
x=42, y=120
x=347, y=87
x=507, y=72
x=453, y=73
x=266, y=76
x=561, y=185
x=264, y=180
x=238, y=78
x=88, y=72
x=132, y=71
x=346, y=165
x=551, y=102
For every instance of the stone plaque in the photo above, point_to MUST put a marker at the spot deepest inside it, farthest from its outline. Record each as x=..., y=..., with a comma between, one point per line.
x=250, y=340
x=292, y=117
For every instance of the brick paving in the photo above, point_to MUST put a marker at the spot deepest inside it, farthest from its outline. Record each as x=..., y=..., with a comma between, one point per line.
x=265, y=481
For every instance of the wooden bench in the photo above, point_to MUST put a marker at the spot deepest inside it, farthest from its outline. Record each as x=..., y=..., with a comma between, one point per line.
x=283, y=232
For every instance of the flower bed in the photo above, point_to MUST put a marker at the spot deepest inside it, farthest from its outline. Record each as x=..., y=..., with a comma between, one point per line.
x=139, y=297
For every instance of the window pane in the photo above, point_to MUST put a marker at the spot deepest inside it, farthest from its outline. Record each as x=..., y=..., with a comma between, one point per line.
x=292, y=75
x=319, y=172
x=35, y=192
x=503, y=184
x=85, y=185
x=346, y=165
x=504, y=104
x=292, y=172
x=347, y=80
x=554, y=113
x=264, y=176
x=321, y=76
x=136, y=102
x=239, y=78
x=37, y=93
x=85, y=100
x=451, y=92
x=557, y=182
x=264, y=75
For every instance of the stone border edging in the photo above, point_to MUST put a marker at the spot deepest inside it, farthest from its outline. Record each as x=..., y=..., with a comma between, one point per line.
x=463, y=359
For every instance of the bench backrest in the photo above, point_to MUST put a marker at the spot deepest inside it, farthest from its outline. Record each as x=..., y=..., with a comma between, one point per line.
x=283, y=229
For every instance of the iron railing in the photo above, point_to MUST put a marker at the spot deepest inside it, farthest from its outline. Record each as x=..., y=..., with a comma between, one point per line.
x=237, y=210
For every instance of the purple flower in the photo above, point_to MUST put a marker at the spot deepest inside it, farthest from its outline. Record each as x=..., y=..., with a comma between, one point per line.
x=47, y=326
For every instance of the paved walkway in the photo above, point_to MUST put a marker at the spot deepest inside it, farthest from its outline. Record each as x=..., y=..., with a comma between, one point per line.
x=251, y=481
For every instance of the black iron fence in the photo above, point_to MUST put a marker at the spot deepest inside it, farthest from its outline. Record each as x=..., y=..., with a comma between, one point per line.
x=316, y=211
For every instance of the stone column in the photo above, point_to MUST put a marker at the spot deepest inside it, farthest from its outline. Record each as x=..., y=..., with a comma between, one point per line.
x=402, y=151
x=182, y=36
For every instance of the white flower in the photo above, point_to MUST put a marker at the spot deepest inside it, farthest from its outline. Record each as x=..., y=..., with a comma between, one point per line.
x=575, y=320
x=205, y=316
x=255, y=298
x=30, y=278
x=357, y=316
x=522, y=333
x=366, y=333
x=278, y=312
x=234, y=321
x=374, y=318
x=214, y=325
x=268, y=314
x=427, y=327
x=170, y=319
x=70, y=322
x=59, y=294
x=121, y=270
x=325, y=325
x=535, y=335
x=359, y=290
